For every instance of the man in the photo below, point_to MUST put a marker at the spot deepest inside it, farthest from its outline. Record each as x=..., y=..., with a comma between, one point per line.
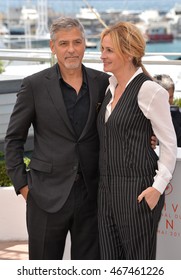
x=166, y=82
x=61, y=187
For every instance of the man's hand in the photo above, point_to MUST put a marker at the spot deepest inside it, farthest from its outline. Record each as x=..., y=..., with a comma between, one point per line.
x=154, y=142
x=151, y=196
x=24, y=191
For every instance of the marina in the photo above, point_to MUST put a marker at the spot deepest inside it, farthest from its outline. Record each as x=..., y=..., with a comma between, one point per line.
x=28, y=26
x=24, y=43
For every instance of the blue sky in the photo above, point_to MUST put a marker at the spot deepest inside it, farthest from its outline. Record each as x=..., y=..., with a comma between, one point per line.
x=73, y=4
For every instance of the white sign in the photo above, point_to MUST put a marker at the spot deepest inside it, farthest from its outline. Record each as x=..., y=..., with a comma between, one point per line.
x=169, y=229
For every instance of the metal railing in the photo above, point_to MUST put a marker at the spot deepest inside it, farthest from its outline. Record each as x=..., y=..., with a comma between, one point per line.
x=36, y=55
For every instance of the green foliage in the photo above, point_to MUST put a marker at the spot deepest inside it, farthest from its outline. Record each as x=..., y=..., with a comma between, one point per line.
x=4, y=178
x=27, y=162
x=1, y=155
x=177, y=101
x=1, y=67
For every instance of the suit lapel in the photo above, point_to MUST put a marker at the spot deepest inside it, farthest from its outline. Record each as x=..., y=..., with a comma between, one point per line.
x=54, y=90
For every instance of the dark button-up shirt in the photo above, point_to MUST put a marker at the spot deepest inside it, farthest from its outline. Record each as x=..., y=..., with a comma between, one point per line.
x=77, y=105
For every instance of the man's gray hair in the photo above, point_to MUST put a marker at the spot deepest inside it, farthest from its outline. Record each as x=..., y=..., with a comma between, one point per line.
x=165, y=81
x=65, y=23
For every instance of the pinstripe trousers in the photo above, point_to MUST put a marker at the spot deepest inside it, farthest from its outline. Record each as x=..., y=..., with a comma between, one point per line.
x=127, y=228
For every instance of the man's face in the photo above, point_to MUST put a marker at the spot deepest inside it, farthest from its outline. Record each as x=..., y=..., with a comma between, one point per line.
x=171, y=95
x=69, y=48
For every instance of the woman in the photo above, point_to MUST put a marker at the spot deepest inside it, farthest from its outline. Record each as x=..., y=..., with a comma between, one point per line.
x=132, y=178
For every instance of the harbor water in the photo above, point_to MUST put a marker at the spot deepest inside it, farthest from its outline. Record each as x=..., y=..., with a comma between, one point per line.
x=173, y=47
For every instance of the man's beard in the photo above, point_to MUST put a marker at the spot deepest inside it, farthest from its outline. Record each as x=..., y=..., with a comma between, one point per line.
x=72, y=65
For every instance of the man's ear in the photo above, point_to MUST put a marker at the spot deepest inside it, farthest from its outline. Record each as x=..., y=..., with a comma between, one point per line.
x=52, y=46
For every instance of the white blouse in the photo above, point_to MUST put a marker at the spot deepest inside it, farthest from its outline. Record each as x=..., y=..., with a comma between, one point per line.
x=153, y=102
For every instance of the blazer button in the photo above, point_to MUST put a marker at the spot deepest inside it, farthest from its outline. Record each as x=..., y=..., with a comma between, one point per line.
x=75, y=168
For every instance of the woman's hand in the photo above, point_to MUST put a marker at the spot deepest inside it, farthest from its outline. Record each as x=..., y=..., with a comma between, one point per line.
x=151, y=196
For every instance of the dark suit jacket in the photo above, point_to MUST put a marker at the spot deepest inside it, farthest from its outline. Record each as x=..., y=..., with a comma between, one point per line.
x=57, y=152
x=176, y=118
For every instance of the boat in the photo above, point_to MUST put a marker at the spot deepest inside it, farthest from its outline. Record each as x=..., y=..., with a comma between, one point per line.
x=158, y=35
x=174, y=17
x=174, y=14
x=149, y=16
x=91, y=20
x=28, y=13
x=90, y=44
x=30, y=30
x=3, y=29
x=34, y=41
x=25, y=41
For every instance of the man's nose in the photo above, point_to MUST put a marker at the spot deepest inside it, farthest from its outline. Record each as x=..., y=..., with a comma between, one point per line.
x=71, y=47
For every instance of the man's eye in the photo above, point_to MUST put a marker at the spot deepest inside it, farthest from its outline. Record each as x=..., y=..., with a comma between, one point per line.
x=78, y=42
x=62, y=43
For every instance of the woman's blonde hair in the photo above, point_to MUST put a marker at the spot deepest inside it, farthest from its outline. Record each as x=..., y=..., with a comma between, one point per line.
x=127, y=40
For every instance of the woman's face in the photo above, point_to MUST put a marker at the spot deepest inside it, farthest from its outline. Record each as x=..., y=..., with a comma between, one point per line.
x=111, y=61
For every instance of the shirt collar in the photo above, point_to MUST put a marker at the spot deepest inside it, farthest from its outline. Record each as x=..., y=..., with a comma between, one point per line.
x=83, y=71
x=113, y=81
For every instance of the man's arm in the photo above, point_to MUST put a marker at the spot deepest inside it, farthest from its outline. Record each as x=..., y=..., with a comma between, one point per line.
x=20, y=122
